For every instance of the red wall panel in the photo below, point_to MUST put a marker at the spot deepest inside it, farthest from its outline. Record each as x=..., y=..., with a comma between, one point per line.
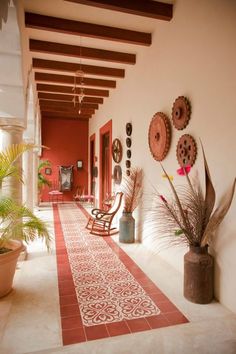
x=68, y=142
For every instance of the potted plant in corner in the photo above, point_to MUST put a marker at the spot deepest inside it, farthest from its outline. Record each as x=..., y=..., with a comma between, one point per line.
x=132, y=187
x=42, y=180
x=189, y=217
x=17, y=222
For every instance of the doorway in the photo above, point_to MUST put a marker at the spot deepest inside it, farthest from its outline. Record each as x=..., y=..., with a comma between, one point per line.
x=92, y=184
x=105, y=162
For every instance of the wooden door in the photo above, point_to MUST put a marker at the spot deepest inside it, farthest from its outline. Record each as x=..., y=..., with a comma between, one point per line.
x=105, y=162
x=92, y=164
x=106, y=166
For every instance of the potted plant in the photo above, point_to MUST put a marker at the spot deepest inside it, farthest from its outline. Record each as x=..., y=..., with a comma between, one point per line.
x=132, y=187
x=42, y=180
x=189, y=217
x=17, y=222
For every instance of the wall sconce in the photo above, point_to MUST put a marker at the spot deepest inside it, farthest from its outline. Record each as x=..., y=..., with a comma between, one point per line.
x=79, y=164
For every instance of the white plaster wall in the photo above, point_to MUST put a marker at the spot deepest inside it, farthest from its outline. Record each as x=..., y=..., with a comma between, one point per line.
x=193, y=55
x=12, y=99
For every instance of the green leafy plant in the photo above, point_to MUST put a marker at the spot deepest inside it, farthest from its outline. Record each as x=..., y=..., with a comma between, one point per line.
x=188, y=216
x=132, y=187
x=42, y=180
x=17, y=222
x=8, y=157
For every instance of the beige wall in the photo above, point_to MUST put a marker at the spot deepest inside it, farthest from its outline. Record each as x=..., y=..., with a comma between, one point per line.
x=193, y=55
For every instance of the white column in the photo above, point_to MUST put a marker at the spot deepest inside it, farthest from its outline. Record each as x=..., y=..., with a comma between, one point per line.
x=12, y=134
x=28, y=177
x=35, y=177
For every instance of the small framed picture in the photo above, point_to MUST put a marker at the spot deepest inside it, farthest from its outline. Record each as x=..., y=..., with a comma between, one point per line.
x=79, y=164
x=48, y=171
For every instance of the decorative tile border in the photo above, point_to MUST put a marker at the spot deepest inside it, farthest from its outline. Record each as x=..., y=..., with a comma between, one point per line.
x=102, y=291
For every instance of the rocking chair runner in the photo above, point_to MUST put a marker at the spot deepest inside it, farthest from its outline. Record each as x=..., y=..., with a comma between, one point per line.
x=100, y=222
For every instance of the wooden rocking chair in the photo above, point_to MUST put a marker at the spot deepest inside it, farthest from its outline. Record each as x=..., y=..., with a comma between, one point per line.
x=100, y=222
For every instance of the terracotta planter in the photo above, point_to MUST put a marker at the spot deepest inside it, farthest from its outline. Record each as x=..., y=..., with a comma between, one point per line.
x=127, y=228
x=8, y=266
x=198, y=275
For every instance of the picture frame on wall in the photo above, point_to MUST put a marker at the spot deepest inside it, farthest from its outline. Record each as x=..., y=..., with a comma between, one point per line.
x=48, y=171
x=79, y=164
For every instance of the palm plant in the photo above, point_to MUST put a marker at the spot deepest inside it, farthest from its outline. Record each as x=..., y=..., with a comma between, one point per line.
x=42, y=180
x=17, y=222
x=8, y=157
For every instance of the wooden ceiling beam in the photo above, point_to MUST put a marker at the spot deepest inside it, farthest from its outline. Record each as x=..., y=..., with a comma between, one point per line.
x=67, y=109
x=73, y=67
x=70, y=80
x=80, y=52
x=68, y=90
x=48, y=103
x=85, y=29
x=67, y=98
x=64, y=115
x=146, y=8
x=89, y=99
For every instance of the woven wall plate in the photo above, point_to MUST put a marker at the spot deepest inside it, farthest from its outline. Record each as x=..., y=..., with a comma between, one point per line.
x=186, y=150
x=117, y=150
x=127, y=163
x=117, y=174
x=128, y=153
x=128, y=142
x=159, y=136
x=181, y=112
x=128, y=129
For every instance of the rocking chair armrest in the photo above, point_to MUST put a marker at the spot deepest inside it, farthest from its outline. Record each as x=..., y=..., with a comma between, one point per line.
x=97, y=211
x=101, y=214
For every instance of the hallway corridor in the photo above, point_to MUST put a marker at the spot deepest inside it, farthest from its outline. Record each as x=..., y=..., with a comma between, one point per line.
x=54, y=303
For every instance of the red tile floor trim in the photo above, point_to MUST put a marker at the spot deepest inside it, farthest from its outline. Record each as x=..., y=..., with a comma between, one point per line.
x=73, y=328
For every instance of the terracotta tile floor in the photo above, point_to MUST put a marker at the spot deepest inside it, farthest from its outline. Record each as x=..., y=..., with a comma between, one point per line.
x=103, y=293
x=33, y=308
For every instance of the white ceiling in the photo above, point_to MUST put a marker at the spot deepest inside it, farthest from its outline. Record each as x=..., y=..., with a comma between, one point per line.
x=10, y=65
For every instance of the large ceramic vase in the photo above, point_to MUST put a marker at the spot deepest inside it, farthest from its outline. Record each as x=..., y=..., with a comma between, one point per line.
x=8, y=266
x=127, y=228
x=198, y=275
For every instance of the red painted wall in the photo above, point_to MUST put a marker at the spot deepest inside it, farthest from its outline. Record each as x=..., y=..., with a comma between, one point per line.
x=68, y=142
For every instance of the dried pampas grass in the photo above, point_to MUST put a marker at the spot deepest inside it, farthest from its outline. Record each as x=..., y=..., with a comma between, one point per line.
x=132, y=187
x=188, y=217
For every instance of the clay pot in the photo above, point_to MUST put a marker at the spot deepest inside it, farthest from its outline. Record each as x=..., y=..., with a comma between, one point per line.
x=198, y=275
x=8, y=266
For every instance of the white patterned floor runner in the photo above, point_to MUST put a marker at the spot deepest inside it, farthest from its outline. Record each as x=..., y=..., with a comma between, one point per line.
x=107, y=292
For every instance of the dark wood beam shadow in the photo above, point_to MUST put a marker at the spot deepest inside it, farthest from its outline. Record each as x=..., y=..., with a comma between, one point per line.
x=71, y=105
x=67, y=98
x=64, y=115
x=71, y=80
x=54, y=65
x=80, y=52
x=85, y=29
x=68, y=110
x=146, y=8
x=68, y=90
